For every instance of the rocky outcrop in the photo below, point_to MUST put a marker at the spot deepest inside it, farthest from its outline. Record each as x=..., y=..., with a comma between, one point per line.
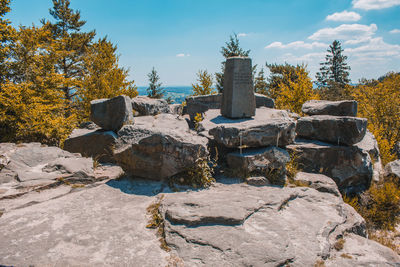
x=269, y=162
x=370, y=145
x=159, y=147
x=145, y=106
x=112, y=114
x=332, y=129
x=349, y=166
x=319, y=182
x=392, y=169
x=98, y=144
x=334, y=108
x=264, y=101
x=259, y=226
x=270, y=127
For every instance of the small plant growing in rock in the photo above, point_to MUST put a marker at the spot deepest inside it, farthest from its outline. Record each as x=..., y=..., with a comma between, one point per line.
x=339, y=245
x=197, y=119
x=157, y=222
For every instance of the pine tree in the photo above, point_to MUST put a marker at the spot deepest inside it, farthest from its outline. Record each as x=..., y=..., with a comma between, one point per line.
x=154, y=90
x=70, y=46
x=204, y=85
x=260, y=83
x=232, y=49
x=7, y=35
x=334, y=73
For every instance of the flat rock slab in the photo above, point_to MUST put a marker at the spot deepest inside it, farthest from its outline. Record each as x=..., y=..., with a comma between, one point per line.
x=334, y=108
x=269, y=127
x=319, y=182
x=332, y=129
x=349, y=166
x=97, y=144
x=241, y=225
x=100, y=226
x=111, y=114
x=145, y=106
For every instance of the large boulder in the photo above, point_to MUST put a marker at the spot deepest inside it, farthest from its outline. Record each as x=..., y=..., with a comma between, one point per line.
x=392, y=169
x=334, y=108
x=370, y=145
x=112, y=114
x=33, y=164
x=200, y=104
x=264, y=101
x=159, y=147
x=319, y=182
x=269, y=127
x=241, y=225
x=332, y=129
x=269, y=162
x=145, y=106
x=98, y=144
x=349, y=166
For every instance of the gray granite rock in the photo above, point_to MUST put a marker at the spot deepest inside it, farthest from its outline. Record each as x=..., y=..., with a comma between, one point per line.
x=145, y=106
x=200, y=104
x=334, y=108
x=392, y=169
x=264, y=101
x=269, y=127
x=238, y=100
x=349, y=166
x=257, y=181
x=370, y=145
x=176, y=109
x=241, y=225
x=112, y=114
x=319, y=182
x=159, y=147
x=98, y=144
x=269, y=162
x=332, y=129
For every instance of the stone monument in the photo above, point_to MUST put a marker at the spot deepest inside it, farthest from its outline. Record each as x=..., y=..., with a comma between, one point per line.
x=238, y=100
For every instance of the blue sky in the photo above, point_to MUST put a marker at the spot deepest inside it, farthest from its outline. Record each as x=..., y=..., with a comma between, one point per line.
x=180, y=37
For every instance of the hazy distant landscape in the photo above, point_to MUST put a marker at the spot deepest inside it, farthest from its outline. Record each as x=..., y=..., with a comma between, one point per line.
x=176, y=93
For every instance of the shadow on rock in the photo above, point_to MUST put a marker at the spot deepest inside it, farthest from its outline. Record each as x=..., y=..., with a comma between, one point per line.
x=136, y=186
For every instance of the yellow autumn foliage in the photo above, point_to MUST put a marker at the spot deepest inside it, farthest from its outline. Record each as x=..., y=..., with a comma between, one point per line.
x=295, y=89
x=204, y=85
x=379, y=102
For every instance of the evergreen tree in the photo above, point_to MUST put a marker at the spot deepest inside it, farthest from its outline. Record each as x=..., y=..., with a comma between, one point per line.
x=154, y=90
x=70, y=46
x=232, y=49
x=7, y=34
x=204, y=85
x=260, y=83
x=334, y=73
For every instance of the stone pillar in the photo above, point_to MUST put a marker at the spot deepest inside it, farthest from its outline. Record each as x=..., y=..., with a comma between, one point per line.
x=238, y=100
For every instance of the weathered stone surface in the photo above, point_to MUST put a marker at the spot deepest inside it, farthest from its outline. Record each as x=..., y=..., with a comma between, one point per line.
x=332, y=129
x=318, y=182
x=370, y=145
x=241, y=225
x=112, y=114
x=176, y=109
x=269, y=127
x=257, y=181
x=238, y=100
x=334, y=108
x=349, y=166
x=392, y=169
x=32, y=161
x=264, y=101
x=163, y=150
x=100, y=226
x=97, y=144
x=145, y=106
x=200, y=104
x=269, y=162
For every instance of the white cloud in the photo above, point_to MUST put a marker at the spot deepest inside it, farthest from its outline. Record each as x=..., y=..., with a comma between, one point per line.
x=296, y=45
x=182, y=55
x=344, y=16
x=374, y=4
x=242, y=34
x=345, y=32
x=376, y=48
x=395, y=31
